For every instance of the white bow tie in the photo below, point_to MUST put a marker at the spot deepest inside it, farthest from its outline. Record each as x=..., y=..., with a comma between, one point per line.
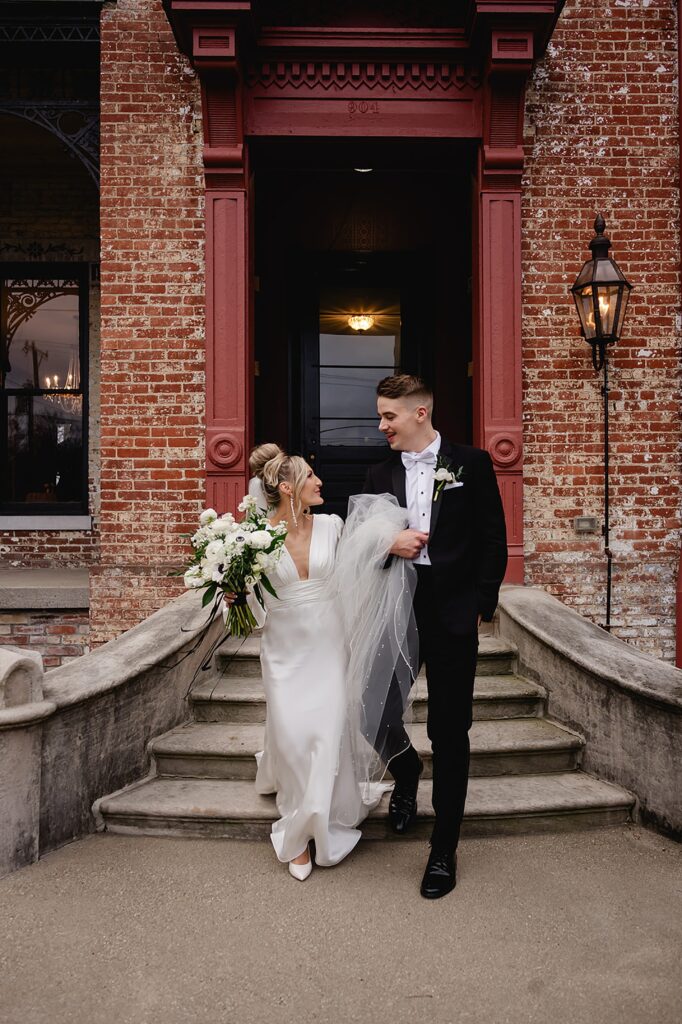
x=412, y=458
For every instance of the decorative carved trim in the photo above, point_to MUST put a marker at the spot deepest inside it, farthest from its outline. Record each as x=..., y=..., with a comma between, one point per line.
x=74, y=122
x=214, y=55
x=505, y=449
x=223, y=449
x=511, y=48
x=211, y=45
x=362, y=75
x=223, y=131
x=509, y=65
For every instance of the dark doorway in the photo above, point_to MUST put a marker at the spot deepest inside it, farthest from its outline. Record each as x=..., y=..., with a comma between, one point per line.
x=336, y=240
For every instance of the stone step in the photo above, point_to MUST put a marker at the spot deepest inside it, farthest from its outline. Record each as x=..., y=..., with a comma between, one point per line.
x=239, y=699
x=495, y=657
x=506, y=746
x=216, y=808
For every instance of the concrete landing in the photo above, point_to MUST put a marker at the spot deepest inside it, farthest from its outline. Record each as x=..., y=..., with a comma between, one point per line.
x=580, y=927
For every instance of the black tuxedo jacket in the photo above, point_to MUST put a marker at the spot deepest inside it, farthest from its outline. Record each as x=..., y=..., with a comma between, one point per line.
x=467, y=539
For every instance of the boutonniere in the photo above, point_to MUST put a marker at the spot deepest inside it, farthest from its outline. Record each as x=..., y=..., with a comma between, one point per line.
x=444, y=474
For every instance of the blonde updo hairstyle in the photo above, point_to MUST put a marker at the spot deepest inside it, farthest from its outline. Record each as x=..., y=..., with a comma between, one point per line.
x=273, y=467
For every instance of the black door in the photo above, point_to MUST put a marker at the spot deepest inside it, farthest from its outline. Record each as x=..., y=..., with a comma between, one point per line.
x=360, y=325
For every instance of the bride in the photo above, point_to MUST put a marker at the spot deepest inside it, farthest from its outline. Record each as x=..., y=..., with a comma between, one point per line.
x=338, y=636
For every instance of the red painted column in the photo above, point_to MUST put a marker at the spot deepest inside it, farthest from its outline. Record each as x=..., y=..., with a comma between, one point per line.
x=497, y=360
x=498, y=398
x=229, y=349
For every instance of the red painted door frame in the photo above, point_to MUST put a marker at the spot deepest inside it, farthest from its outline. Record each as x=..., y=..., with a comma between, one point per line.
x=466, y=82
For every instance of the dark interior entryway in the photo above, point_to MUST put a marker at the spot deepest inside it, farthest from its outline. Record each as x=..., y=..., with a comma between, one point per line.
x=357, y=229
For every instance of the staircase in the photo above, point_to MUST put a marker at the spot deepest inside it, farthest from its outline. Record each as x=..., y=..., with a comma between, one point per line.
x=525, y=769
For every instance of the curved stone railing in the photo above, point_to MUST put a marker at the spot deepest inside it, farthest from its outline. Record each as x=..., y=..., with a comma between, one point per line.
x=82, y=729
x=627, y=704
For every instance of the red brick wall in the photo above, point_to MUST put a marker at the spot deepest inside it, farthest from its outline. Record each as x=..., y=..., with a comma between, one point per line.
x=60, y=636
x=602, y=136
x=152, y=293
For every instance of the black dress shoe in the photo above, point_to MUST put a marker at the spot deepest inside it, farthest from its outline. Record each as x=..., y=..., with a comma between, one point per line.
x=440, y=876
x=402, y=806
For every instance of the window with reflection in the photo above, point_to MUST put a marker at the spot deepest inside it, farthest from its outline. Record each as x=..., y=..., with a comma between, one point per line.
x=43, y=343
x=359, y=345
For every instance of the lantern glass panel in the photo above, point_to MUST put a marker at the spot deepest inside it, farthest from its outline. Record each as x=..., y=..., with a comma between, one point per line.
x=623, y=308
x=605, y=272
x=607, y=304
x=585, y=275
x=583, y=301
x=604, y=326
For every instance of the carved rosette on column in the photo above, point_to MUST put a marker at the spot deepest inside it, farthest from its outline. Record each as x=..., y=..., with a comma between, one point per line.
x=498, y=352
x=210, y=35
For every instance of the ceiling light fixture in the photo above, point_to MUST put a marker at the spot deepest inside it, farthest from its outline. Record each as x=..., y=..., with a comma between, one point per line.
x=361, y=321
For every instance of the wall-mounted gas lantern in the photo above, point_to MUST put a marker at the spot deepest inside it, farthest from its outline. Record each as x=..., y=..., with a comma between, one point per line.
x=601, y=294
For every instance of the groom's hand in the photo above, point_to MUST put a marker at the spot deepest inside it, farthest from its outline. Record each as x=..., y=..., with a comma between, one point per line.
x=409, y=543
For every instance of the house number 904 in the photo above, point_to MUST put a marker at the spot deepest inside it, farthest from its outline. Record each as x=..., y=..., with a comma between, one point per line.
x=363, y=107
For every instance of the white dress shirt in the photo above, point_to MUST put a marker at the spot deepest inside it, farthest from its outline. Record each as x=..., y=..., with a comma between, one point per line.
x=419, y=480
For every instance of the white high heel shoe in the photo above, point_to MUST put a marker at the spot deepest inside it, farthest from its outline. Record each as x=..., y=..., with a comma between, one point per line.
x=301, y=871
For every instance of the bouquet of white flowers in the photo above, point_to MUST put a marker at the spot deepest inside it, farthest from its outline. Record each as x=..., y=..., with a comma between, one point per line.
x=231, y=558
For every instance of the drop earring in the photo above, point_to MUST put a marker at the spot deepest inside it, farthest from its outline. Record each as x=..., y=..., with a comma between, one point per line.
x=293, y=511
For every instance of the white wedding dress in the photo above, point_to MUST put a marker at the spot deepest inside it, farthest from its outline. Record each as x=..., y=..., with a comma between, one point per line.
x=305, y=761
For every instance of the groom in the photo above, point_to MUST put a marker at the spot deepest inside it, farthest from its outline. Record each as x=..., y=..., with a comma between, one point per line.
x=457, y=541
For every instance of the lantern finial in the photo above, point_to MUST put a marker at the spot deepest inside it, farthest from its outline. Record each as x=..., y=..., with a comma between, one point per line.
x=600, y=244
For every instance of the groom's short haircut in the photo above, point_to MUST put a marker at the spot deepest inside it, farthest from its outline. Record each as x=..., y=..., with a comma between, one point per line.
x=405, y=385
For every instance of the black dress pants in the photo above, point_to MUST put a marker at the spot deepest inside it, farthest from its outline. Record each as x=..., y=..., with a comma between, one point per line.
x=450, y=660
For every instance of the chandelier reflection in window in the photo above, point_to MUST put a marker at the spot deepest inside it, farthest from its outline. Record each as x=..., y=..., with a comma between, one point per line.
x=67, y=402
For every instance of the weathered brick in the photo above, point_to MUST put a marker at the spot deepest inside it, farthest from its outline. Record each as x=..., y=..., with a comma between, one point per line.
x=601, y=135
x=603, y=138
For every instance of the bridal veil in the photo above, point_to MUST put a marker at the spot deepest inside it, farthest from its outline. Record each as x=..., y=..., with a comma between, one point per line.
x=374, y=593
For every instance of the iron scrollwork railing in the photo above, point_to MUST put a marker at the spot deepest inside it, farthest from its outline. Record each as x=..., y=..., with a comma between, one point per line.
x=74, y=122
x=50, y=32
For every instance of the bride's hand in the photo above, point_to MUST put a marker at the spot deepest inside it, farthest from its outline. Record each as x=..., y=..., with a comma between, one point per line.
x=409, y=543
x=229, y=598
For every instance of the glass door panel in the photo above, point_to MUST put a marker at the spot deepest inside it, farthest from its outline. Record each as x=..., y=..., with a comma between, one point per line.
x=355, y=342
x=359, y=344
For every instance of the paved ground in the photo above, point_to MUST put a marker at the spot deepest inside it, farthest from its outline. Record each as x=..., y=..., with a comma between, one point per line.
x=585, y=927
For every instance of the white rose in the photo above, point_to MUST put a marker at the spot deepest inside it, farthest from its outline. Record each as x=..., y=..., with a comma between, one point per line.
x=209, y=515
x=207, y=570
x=192, y=577
x=203, y=534
x=260, y=539
x=443, y=474
x=214, y=550
x=223, y=525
